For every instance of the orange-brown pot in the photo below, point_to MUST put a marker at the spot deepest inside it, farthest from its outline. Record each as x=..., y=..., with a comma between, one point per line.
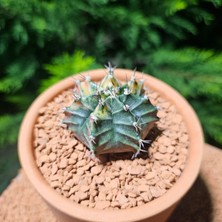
x=154, y=211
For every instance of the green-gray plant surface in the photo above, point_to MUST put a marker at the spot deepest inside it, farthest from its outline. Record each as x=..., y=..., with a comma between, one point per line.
x=110, y=117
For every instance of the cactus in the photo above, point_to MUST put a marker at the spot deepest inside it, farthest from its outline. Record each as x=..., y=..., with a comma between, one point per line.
x=110, y=117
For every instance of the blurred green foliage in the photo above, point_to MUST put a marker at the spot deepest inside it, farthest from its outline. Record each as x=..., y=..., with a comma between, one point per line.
x=66, y=65
x=178, y=41
x=197, y=74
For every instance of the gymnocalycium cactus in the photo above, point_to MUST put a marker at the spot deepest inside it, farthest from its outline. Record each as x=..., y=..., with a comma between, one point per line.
x=110, y=117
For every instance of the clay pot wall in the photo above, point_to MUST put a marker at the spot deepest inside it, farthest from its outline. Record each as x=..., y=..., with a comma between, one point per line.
x=158, y=209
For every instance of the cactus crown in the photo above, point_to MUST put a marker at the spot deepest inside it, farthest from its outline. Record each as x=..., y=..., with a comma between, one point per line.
x=110, y=117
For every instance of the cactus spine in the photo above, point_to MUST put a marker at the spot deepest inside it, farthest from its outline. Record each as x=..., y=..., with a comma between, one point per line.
x=110, y=117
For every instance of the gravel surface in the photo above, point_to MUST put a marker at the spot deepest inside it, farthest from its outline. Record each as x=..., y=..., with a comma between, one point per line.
x=117, y=182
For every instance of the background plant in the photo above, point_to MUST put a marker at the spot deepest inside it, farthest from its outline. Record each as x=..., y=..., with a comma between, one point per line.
x=40, y=41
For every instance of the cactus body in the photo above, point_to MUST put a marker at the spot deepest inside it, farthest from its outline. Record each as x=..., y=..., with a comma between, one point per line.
x=110, y=117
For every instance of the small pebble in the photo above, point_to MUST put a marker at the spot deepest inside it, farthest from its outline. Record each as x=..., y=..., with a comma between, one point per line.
x=143, y=188
x=81, y=163
x=44, y=159
x=115, y=204
x=52, y=157
x=102, y=204
x=176, y=171
x=96, y=170
x=84, y=188
x=102, y=196
x=85, y=203
x=162, y=149
x=134, y=170
x=74, y=156
x=70, y=182
x=170, y=149
x=158, y=156
x=150, y=175
x=114, y=183
x=54, y=169
x=79, y=147
x=76, y=178
x=82, y=195
x=145, y=196
x=55, y=184
x=100, y=180
x=72, y=143
x=63, y=163
x=121, y=199
x=155, y=192
x=131, y=194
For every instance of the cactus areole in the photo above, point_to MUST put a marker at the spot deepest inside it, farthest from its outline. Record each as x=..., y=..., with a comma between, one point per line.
x=110, y=117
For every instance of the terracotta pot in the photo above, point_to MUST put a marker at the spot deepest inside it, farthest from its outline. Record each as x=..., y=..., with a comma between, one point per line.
x=156, y=210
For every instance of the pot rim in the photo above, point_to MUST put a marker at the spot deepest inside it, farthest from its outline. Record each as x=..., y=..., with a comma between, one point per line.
x=172, y=196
